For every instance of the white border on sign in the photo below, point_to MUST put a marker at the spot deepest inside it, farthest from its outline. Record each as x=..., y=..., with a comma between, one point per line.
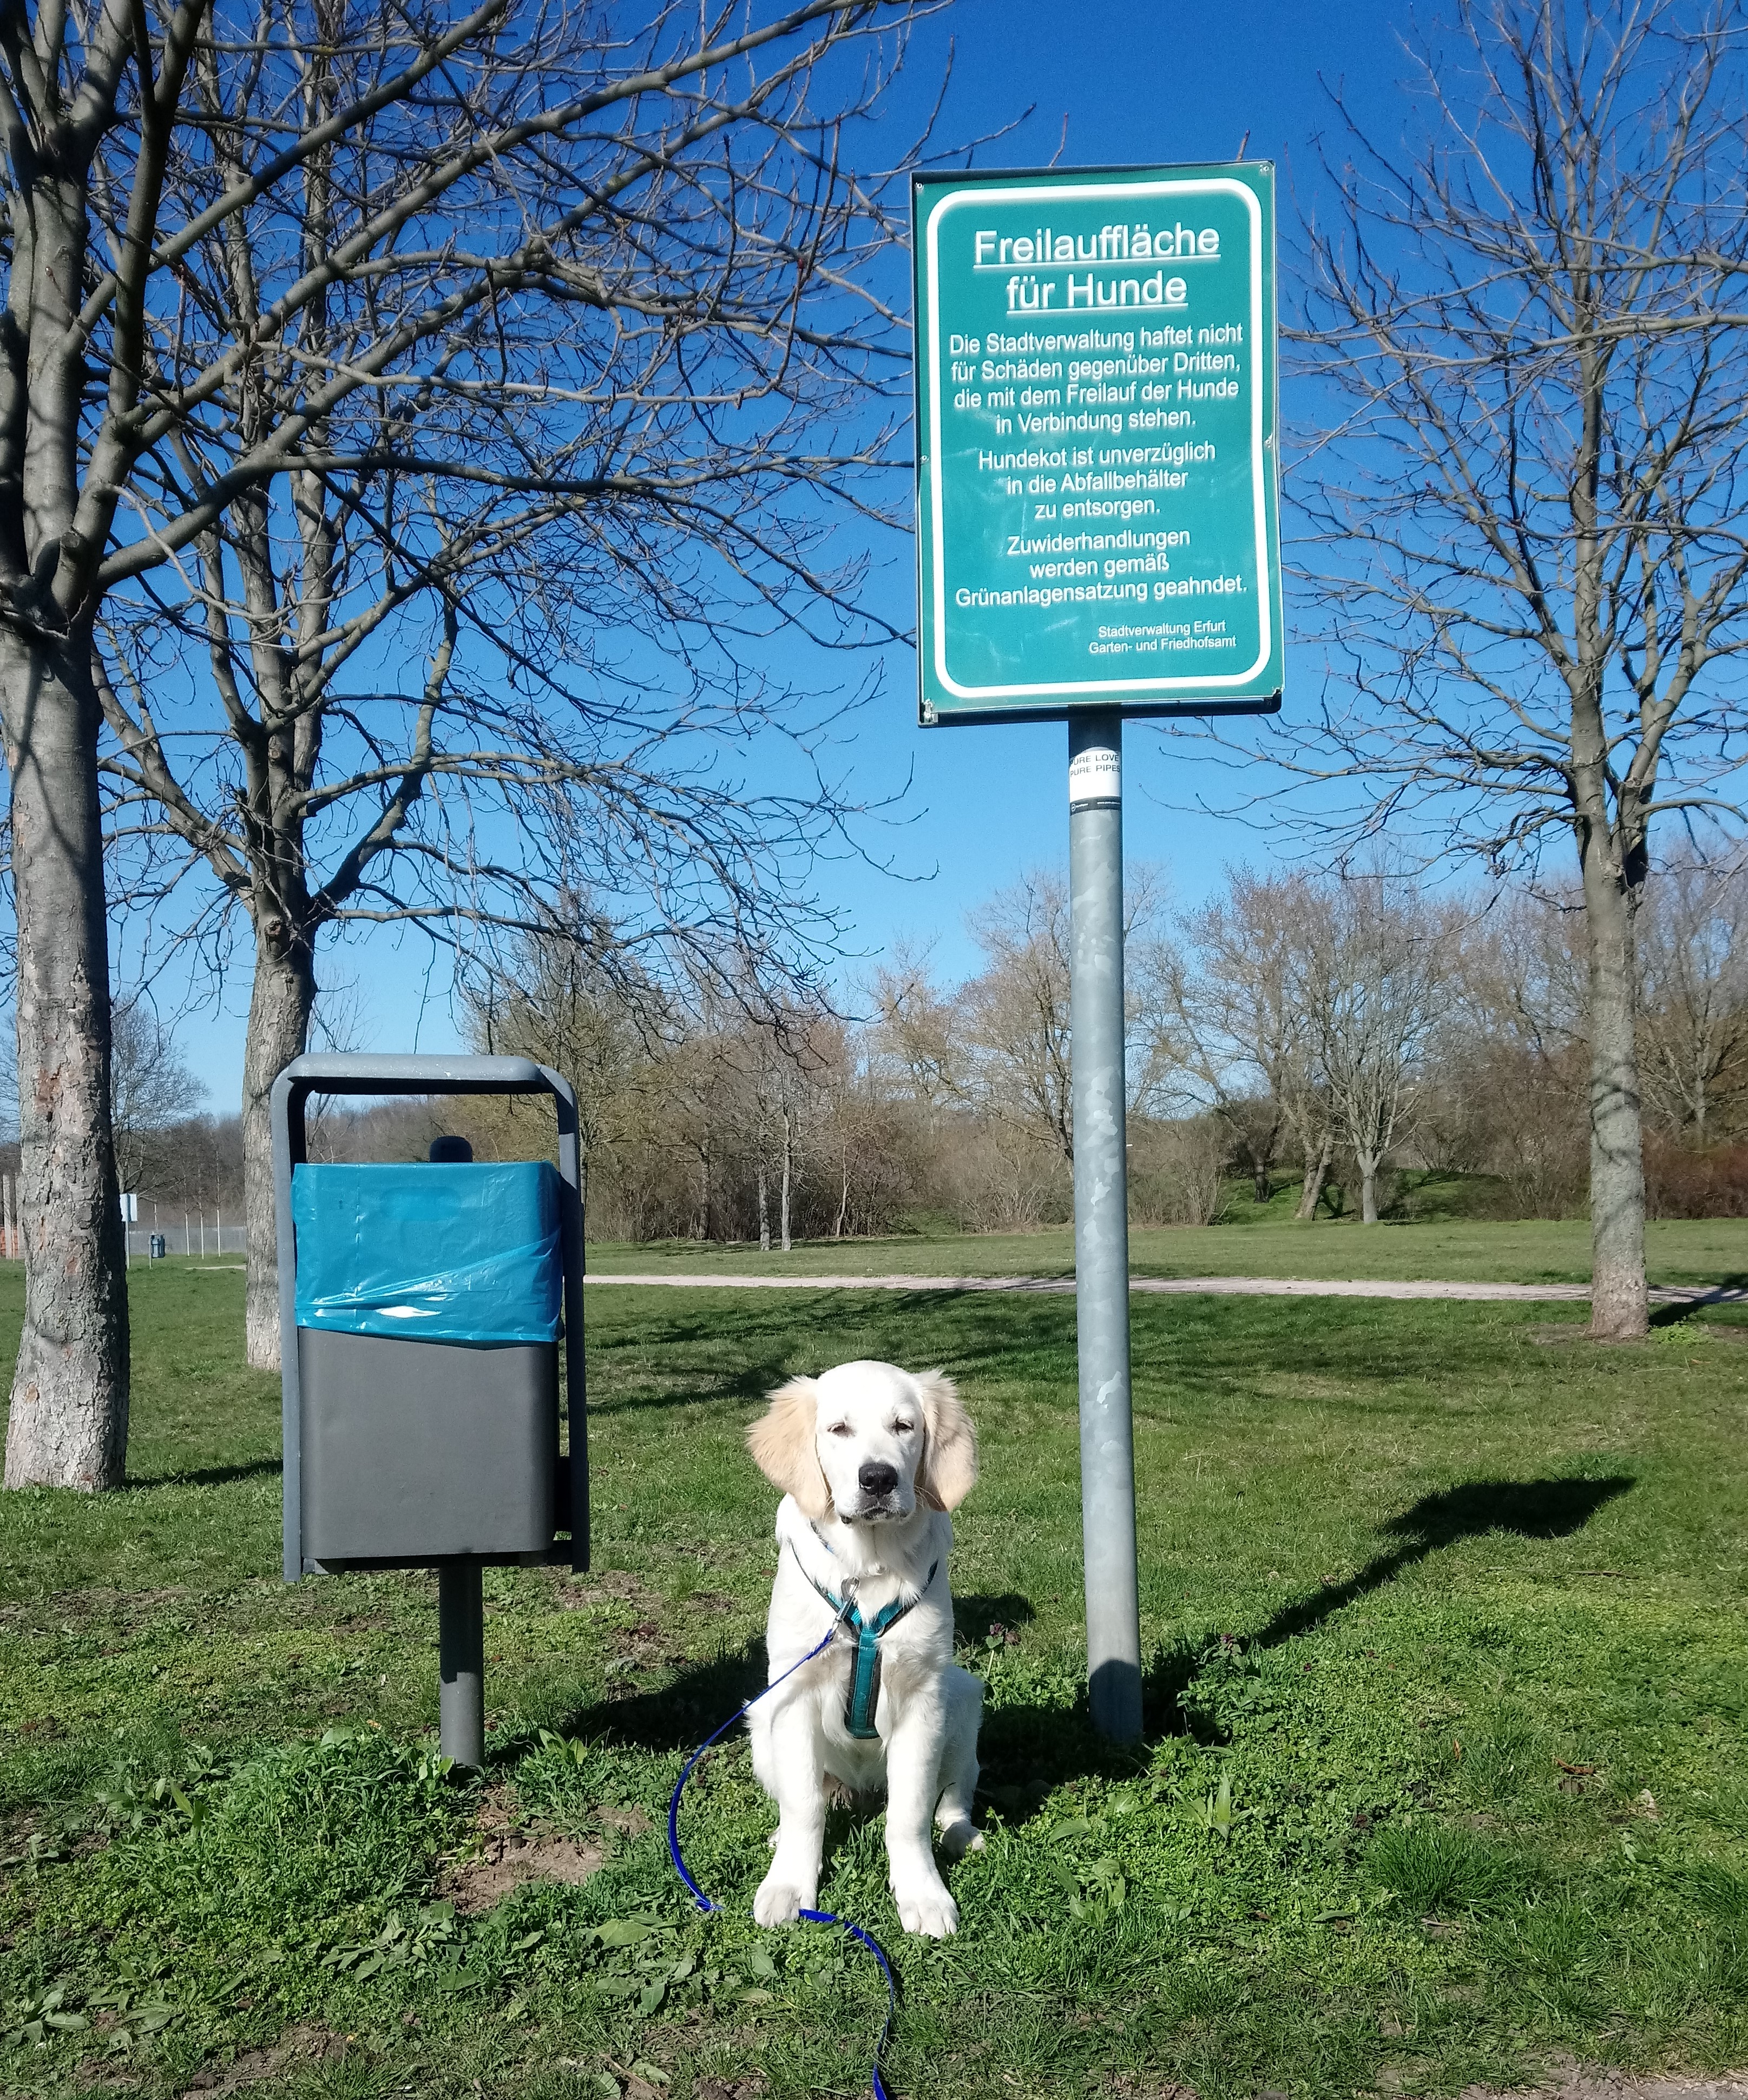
x=985, y=193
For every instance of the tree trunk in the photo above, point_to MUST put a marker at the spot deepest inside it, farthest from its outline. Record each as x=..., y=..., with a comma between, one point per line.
x=1618, y=1308
x=68, y=1425
x=788, y=1174
x=1367, y=1163
x=1316, y=1173
x=843, y=1194
x=279, y=1030
x=764, y=1212
x=1261, y=1183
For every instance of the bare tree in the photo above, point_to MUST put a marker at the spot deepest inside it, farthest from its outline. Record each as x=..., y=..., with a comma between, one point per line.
x=1013, y=1052
x=1524, y=356
x=280, y=255
x=1694, y=996
x=154, y=1088
x=622, y=455
x=568, y=998
x=1233, y=1011
x=1018, y=1062
x=1507, y=1059
x=1376, y=975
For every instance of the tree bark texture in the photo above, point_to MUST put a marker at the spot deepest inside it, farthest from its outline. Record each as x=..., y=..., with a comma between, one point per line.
x=68, y=1425
x=789, y=1176
x=1317, y=1162
x=1368, y=1167
x=280, y=1008
x=1620, y=1310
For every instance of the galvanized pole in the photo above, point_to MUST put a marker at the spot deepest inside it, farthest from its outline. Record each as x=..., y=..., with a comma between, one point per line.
x=1102, y=1223
x=461, y=1663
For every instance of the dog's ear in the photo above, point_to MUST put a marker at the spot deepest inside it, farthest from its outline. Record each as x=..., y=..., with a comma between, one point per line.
x=782, y=1444
x=949, y=1468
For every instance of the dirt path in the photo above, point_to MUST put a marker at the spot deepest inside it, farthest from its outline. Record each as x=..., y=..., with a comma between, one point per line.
x=1221, y=1286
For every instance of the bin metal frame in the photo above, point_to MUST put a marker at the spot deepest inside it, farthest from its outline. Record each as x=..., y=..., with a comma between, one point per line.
x=365, y=1076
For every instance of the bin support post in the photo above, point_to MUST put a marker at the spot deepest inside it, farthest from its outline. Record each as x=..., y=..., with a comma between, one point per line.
x=1102, y=1224
x=461, y=1662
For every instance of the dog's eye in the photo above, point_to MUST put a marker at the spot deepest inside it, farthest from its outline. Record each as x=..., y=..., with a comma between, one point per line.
x=902, y=1428
x=840, y=1429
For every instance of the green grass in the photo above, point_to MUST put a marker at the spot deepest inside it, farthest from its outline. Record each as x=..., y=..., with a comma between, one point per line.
x=1410, y=1196
x=1465, y=1250
x=1444, y=1774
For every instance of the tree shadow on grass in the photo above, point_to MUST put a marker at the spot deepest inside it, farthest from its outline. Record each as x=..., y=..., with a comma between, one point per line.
x=1521, y=1509
x=209, y=1476
x=777, y=1347
x=985, y=1615
x=1027, y=1751
x=679, y=1714
x=699, y=1696
x=1728, y=1291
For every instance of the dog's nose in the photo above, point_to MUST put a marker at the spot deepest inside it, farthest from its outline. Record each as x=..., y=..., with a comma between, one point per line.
x=877, y=1479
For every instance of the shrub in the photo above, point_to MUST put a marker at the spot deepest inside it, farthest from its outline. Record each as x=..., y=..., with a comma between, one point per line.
x=1712, y=1183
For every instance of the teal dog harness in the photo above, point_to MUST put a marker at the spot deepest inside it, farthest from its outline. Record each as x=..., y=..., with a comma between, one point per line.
x=865, y=1676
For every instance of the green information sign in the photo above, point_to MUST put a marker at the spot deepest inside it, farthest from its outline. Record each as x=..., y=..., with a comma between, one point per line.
x=1097, y=512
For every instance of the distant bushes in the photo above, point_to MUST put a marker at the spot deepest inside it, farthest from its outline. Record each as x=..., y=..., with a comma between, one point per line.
x=1712, y=1183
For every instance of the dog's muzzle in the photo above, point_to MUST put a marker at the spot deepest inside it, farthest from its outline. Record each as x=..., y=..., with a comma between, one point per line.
x=879, y=1483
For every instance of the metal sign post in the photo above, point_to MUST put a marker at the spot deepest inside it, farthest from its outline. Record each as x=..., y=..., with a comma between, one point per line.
x=1102, y=1223
x=1097, y=536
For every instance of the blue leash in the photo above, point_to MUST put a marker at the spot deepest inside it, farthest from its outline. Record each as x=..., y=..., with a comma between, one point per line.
x=811, y=1917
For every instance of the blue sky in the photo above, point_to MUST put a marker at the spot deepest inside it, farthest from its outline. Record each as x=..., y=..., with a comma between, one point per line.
x=1133, y=84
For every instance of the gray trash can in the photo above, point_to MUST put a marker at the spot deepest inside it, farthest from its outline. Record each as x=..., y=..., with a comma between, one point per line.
x=155, y=1247
x=426, y=1310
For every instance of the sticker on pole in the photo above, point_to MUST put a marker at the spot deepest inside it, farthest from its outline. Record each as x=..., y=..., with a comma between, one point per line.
x=1097, y=504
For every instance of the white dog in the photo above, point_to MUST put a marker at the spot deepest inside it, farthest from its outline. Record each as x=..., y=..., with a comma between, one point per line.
x=871, y=1458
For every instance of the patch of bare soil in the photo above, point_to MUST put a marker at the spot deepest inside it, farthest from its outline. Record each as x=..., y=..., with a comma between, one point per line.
x=629, y=1821
x=509, y=1855
x=62, y=1609
x=608, y=1586
x=1579, y=2081
x=300, y=2044
x=1566, y=2080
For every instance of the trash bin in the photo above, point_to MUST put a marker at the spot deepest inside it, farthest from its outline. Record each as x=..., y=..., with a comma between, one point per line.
x=422, y=1309
x=428, y=1311
x=155, y=1247
x=425, y=1309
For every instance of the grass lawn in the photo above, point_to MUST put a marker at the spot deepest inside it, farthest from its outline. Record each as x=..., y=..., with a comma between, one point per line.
x=1461, y=1250
x=1446, y=1774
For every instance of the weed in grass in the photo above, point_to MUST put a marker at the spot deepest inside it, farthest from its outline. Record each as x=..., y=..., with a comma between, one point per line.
x=1436, y=1869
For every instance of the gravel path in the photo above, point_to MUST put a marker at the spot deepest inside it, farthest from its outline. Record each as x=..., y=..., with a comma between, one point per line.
x=1173, y=1286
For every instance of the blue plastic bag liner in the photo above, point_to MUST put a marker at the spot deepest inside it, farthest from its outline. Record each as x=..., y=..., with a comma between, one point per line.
x=438, y=1253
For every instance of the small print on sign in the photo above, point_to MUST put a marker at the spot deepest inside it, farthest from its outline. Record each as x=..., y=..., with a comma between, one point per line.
x=1097, y=502
x=1095, y=776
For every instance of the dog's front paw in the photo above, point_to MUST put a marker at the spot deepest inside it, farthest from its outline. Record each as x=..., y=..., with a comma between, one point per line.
x=778, y=1901
x=931, y=1912
x=960, y=1836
